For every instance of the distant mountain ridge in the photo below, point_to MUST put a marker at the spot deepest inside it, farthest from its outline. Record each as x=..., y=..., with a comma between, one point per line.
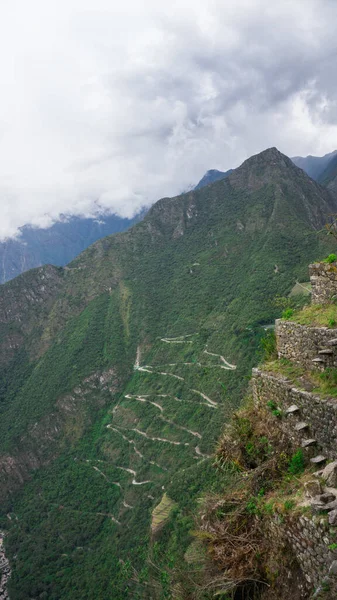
x=211, y=176
x=314, y=166
x=63, y=241
x=58, y=244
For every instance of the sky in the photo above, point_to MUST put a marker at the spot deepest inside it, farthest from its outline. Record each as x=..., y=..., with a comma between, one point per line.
x=111, y=105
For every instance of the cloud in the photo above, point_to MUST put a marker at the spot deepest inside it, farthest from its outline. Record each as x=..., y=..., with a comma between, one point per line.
x=109, y=106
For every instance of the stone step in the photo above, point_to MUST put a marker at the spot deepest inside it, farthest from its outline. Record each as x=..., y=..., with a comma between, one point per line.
x=292, y=409
x=317, y=460
x=318, y=361
x=325, y=351
x=301, y=426
x=332, y=342
x=308, y=443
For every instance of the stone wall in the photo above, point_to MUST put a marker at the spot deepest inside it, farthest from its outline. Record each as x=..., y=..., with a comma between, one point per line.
x=320, y=415
x=302, y=344
x=309, y=539
x=323, y=279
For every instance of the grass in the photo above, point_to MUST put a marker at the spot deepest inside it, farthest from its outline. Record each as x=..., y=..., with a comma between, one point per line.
x=323, y=383
x=315, y=315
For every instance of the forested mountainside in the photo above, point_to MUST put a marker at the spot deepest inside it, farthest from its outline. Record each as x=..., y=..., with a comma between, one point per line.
x=65, y=239
x=328, y=177
x=319, y=168
x=119, y=371
x=58, y=244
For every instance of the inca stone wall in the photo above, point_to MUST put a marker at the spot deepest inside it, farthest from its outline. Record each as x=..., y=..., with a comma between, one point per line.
x=316, y=417
x=303, y=344
x=323, y=279
x=309, y=538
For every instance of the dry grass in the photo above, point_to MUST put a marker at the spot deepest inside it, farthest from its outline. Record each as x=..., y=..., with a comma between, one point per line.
x=316, y=315
x=236, y=526
x=161, y=512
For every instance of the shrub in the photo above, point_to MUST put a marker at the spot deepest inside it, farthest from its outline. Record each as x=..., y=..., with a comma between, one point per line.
x=287, y=313
x=273, y=407
x=268, y=345
x=330, y=259
x=296, y=463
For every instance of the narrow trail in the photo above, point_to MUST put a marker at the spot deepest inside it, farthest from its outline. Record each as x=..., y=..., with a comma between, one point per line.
x=158, y=439
x=5, y=570
x=199, y=453
x=227, y=365
x=170, y=375
x=125, y=504
x=180, y=339
x=142, y=399
x=116, y=483
x=211, y=402
x=133, y=443
x=134, y=473
x=172, y=341
x=183, y=400
x=149, y=369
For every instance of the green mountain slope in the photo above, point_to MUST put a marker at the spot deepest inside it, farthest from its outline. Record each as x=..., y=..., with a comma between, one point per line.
x=122, y=368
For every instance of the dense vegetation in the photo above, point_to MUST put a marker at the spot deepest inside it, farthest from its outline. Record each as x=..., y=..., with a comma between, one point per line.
x=185, y=295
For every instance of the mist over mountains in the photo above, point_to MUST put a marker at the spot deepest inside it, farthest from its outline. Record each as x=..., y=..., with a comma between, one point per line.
x=60, y=243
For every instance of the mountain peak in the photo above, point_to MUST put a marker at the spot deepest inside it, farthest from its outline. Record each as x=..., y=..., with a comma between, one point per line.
x=268, y=166
x=270, y=155
x=211, y=176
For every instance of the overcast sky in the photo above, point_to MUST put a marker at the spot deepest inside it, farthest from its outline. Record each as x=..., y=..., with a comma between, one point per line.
x=108, y=104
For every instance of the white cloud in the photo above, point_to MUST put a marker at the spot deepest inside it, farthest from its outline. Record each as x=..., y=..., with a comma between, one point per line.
x=110, y=105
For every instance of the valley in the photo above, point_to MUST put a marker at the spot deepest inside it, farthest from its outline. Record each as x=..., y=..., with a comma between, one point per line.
x=119, y=372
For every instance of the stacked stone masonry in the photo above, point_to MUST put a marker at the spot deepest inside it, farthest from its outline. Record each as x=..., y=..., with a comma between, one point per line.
x=309, y=539
x=323, y=278
x=318, y=413
x=302, y=344
x=309, y=421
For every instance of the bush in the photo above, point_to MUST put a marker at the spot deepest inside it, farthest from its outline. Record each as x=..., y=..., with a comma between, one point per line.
x=330, y=259
x=287, y=313
x=268, y=345
x=296, y=463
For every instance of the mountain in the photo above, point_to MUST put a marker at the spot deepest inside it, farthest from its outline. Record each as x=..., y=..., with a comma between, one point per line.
x=211, y=176
x=57, y=244
x=314, y=166
x=119, y=371
x=328, y=177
